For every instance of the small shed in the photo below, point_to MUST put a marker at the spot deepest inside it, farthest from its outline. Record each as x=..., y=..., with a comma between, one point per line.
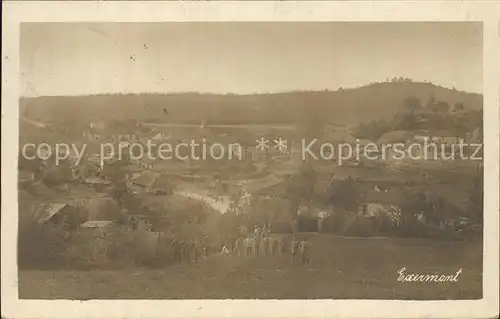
x=162, y=185
x=99, y=227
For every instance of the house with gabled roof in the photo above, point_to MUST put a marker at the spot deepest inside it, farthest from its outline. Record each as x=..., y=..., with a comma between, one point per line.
x=377, y=201
x=54, y=213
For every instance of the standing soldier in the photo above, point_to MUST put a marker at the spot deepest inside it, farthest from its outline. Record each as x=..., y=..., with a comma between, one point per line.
x=187, y=250
x=192, y=249
x=239, y=245
x=264, y=245
x=273, y=241
x=232, y=242
x=283, y=246
x=256, y=232
x=196, y=250
x=175, y=250
x=264, y=230
x=206, y=246
x=294, y=226
x=304, y=250
x=256, y=246
x=249, y=243
x=294, y=247
x=182, y=250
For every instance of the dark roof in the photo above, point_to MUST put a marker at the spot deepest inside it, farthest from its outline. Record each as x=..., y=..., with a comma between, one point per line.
x=261, y=184
x=30, y=165
x=162, y=182
x=46, y=211
x=146, y=179
x=395, y=137
x=113, y=172
x=438, y=133
x=39, y=188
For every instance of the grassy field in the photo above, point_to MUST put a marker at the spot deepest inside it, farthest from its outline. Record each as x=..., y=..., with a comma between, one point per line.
x=341, y=268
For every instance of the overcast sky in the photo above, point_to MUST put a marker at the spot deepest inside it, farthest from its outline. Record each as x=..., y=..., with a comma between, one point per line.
x=90, y=58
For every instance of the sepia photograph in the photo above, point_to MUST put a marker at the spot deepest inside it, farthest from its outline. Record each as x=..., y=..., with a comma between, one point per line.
x=252, y=160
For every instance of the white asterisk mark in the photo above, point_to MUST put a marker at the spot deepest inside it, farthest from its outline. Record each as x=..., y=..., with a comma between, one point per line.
x=280, y=144
x=262, y=144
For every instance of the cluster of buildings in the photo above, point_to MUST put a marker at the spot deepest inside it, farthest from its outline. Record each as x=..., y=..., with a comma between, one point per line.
x=80, y=196
x=377, y=197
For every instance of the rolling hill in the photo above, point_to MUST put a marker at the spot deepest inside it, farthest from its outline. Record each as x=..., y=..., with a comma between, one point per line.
x=344, y=106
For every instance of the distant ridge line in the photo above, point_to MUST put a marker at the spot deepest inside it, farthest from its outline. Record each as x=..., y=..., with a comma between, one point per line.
x=180, y=93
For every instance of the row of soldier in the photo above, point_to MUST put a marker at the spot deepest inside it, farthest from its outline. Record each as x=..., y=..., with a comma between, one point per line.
x=189, y=250
x=260, y=245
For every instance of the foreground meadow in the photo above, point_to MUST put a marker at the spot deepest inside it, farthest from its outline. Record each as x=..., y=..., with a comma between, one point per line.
x=340, y=268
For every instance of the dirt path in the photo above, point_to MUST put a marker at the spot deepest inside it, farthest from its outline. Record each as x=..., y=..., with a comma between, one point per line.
x=219, y=206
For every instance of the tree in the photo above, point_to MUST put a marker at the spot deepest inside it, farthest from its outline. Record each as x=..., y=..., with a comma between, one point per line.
x=459, y=108
x=412, y=104
x=475, y=207
x=406, y=121
x=431, y=102
x=372, y=130
x=442, y=107
x=120, y=192
x=345, y=194
x=182, y=217
x=56, y=175
x=302, y=185
x=313, y=123
x=300, y=189
x=246, y=141
x=428, y=205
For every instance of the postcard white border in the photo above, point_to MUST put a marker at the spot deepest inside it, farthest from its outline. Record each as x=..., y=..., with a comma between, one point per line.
x=152, y=11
